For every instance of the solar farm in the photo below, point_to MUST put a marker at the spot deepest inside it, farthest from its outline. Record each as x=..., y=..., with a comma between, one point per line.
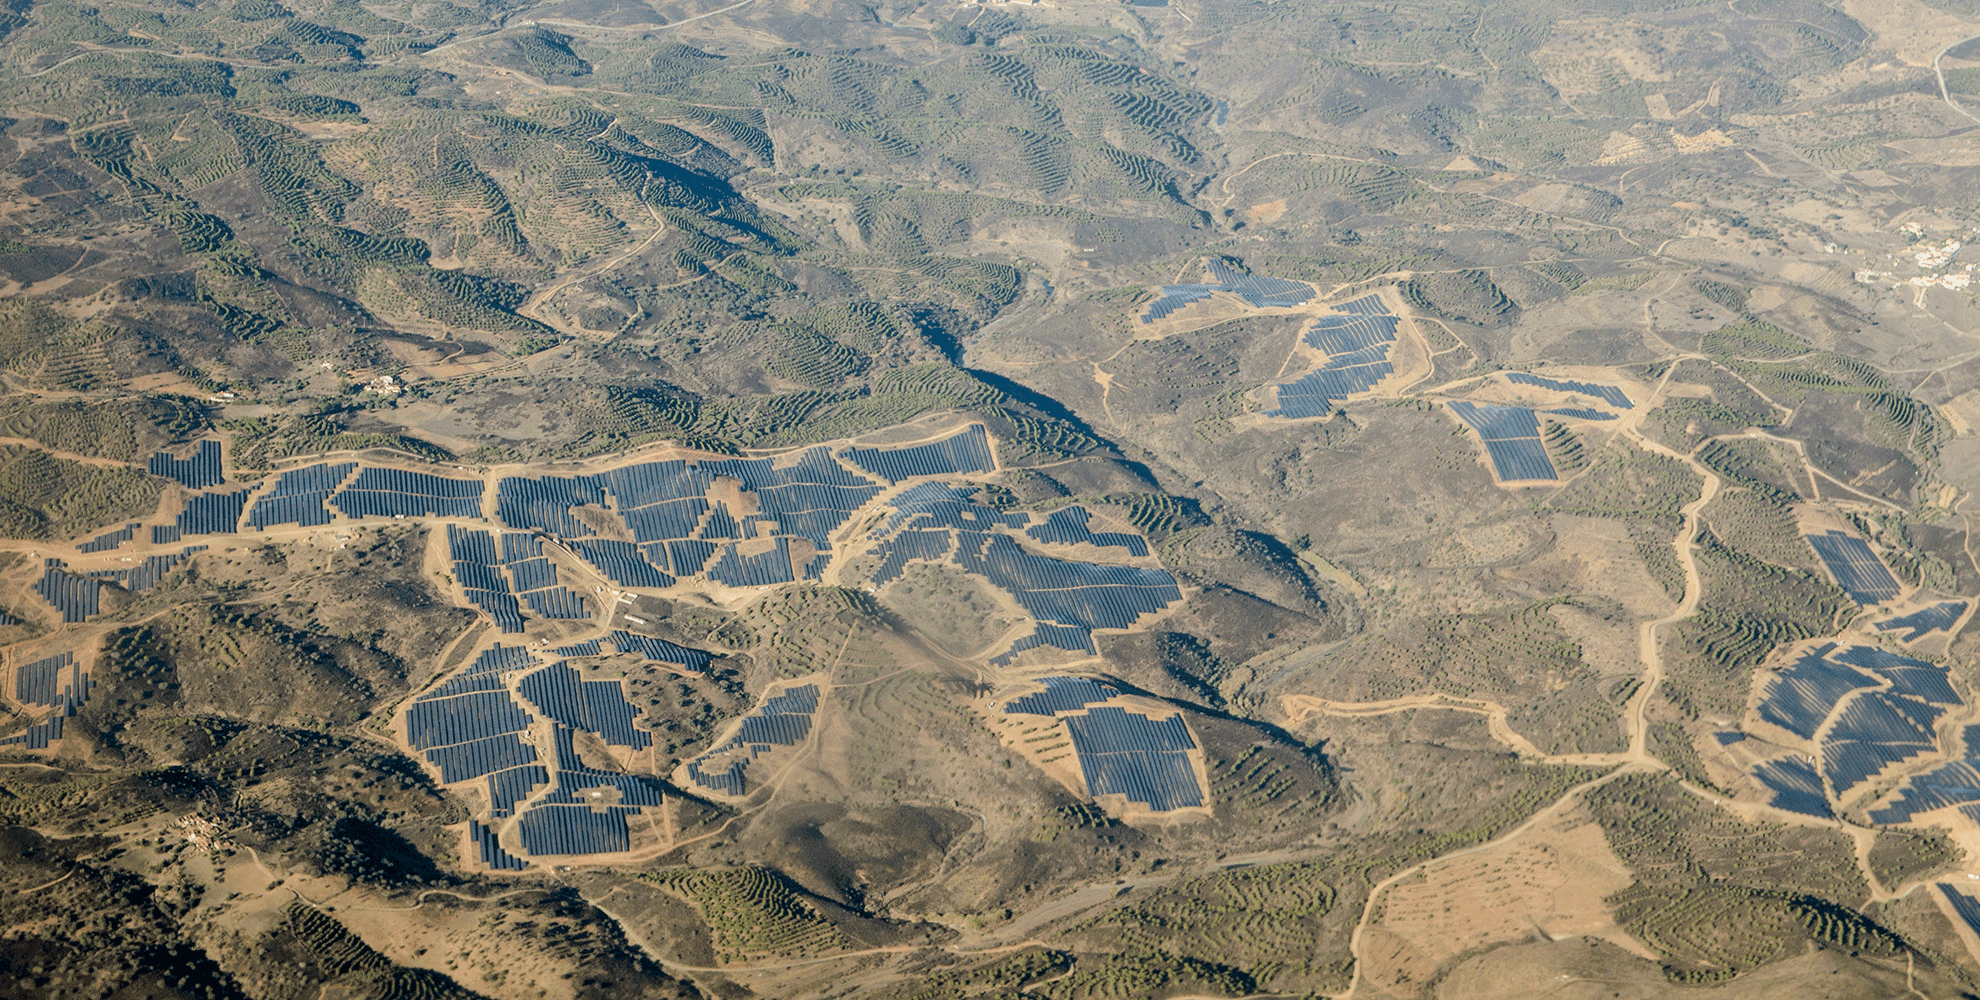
x=1856, y=569
x=549, y=549
x=1865, y=711
x=507, y=723
x=1067, y=599
x=1145, y=759
x=1260, y=292
x=1511, y=435
x=1357, y=340
x=57, y=682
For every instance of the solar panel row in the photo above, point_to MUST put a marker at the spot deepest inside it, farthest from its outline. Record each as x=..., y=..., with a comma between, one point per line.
x=462, y=718
x=39, y=683
x=298, y=497
x=562, y=829
x=1937, y=618
x=199, y=472
x=1061, y=694
x=1142, y=758
x=1066, y=637
x=109, y=540
x=911, y=544
x=491, y=850
x=1068, y=527
x=1580, y=414
x=76, y=597
x=733, y=569
x=620, y=562
x=506, y=788
x=1606, y=393
x=783, y=720
x=546, y=503
x=594, y=706
x=1795, y=785
x=556, y=602
x=965, y=452
x=1856, y=569
x=1916, y=678
x=659, y=651
x=478, y=758
x=209, y=514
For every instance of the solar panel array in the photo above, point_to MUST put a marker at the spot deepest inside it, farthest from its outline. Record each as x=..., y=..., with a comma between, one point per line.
x=1796, y=786
x=1512, y=438
x=1938, y=618
x=491, y=850
x=546, y=503
x=1966, y=906
x=574, y=829
x=1061, y=694
x=965, y=452
x=109, y=540
x=209, y=514
x=41, y=684
x=660, y=651
x=1357, y=341
x=1606, y=393
x=1260, y=291
x=1885, y=708
x=506, y=788
x=380, y=492
x=596, y=706
x=201, y=471
x=76, y=597
x=1800, y=696
x=619, y=562
x=1144, y=759
x=1857, y=569
x=298, y=497
x=1580, y=414
x=783, y=720
x=1067, y=598
x=1068, y=527
x=145, y=575
x=913, y=544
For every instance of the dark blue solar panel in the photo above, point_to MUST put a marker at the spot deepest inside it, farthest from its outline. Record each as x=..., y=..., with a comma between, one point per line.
x=491, y=850
x=907, y=545
x=447, y=721
x=1908, y=676
x=1800, y=697
x=1046, y=634
x=209, y=514
x=667, y=519
x=574, y=829
x=588, y=647
x=546, y=503
x=109, y=540
x=1174, y=297
x=764, y=569
x=942, y=505
x=1068, y=527
x=687, y=558
x=298, y=496
x=479, y=758
x=661, y=651
x=42, y=683
x=76, y=597
x=506, y=788
x=1964, y=905
x=556, y=602
x=1497, y=422
x=378, y=492
x=1071, y=593
x=1951, y=783
x=1937, y=618
x=1875, y=718
x=532, y=574
x=1061, y=694
x=1606, y=393
x=620, y=562
x=199, y=472
x=653, y=482
x=965, y=452
x=1848, y=763
x=1856, y=569
x=1795, y=785
x=1135, y=756
x=783, y=720
x=595, y=706
x=721, y=524
x=1580, y=414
